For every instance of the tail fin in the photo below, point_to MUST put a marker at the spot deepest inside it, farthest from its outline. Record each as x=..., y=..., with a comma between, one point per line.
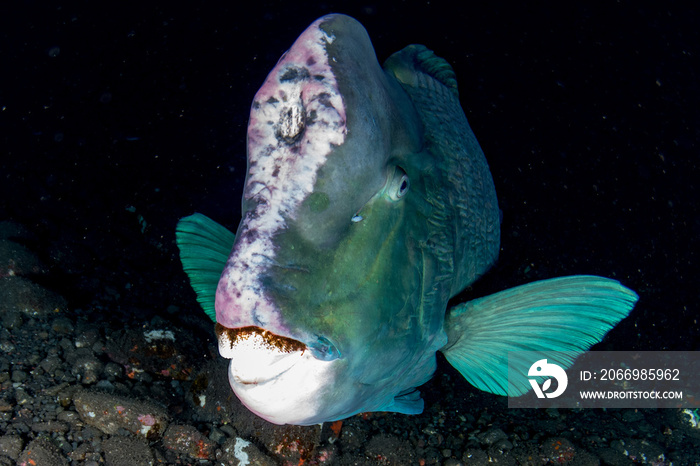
x=204, y=249
x=568, y=314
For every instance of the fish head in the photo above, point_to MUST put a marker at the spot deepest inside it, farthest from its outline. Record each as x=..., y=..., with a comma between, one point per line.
x=319, y=304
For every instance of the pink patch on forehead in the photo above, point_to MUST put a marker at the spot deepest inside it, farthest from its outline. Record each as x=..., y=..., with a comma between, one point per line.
x=297, y=118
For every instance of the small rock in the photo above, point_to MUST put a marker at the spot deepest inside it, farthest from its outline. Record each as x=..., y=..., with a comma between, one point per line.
x=644, y=451
x=188, y=441
x=126, y=451
x=113, y=370
x=492, y=436
x=5, y=405
x=109, y=413
x=163, y=351
x=228, y=430
x=502, y=445
x=19, y=376
x=62, y=325
x=22, y=295
x=87, y=369
x=558, y=450
x=50, y=426
x=11, y=445
x=16, y=259
x=42, y=451
x=11, y=319
x=475, y=457
x=390, y=449
x=217, y=436
x=50, y=364
x=612, y=457
x=353, y=438
x=631, y=416
x=87, y=337
x=685, y=420
x=81, y=452
x=70, y=417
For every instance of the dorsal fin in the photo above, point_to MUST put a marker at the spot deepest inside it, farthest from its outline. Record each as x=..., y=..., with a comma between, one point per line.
x=437, y=67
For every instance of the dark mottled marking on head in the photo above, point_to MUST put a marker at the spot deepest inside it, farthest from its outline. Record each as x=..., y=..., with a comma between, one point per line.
x=294, y=74
x=271, y=100
x=311, y=117
x=249, y=236
x=310, y=62
x=319, y=77
x=325, y=99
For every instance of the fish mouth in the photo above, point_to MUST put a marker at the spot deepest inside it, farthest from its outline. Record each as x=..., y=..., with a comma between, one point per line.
x=257, y=355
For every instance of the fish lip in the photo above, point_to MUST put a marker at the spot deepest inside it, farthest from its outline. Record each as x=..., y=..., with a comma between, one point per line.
x=273, y=340
x=264, y=355
x=257, y=381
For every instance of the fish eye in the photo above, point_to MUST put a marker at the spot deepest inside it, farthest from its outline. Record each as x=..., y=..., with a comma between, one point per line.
x=399, y=185
x=324, y=350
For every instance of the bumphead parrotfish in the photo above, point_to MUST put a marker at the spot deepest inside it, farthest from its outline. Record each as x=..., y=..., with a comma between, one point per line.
x=367, y=205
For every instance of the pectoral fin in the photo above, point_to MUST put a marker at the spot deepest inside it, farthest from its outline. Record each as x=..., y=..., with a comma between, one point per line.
x=409, y=402
x=204, y=249
x=568, y=314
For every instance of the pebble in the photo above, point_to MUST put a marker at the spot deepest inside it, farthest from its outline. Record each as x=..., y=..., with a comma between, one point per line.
x=113, y=370
x=62, y=325
x=228, y=430
x=87, y=337
x=50, y=426
x=50, y=364
x=19, y=376
x=11, y=319
x=392, y=449
x=11, y=446
x=492, y=436
x=41, y=451
x=217, y=436
x=127, y=451
x=70, y=417
x=16, y=259
x=188, y=441
x=475, y=457
x=558, y=450
x=22, y=295
x=87, y=369
x=110, y=413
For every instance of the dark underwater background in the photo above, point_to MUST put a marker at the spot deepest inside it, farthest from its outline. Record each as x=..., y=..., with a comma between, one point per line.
x=117, y=119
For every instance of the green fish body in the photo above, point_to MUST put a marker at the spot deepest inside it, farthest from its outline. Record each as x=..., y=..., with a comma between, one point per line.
x=368, y=204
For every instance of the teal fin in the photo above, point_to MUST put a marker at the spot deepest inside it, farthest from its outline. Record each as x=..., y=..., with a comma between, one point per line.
x=405, y=403
x=204, y=249
x=568, y=314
